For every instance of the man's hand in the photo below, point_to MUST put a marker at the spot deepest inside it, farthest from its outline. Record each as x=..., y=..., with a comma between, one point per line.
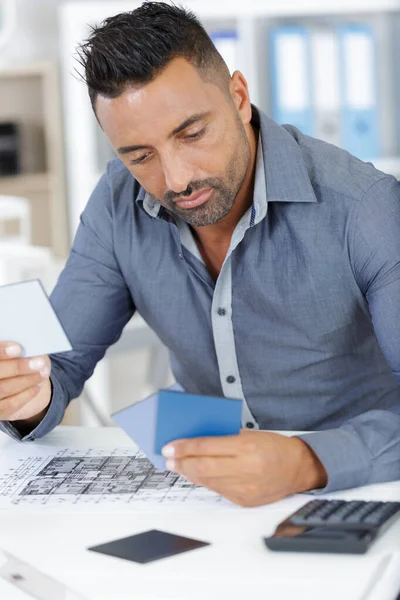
x=250, y=469
x=25, y=389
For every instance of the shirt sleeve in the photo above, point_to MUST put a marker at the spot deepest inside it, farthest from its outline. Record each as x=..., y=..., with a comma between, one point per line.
x=93, y=304
x=366, y=449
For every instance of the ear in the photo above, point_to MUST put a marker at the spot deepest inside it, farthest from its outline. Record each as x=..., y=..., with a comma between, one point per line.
x=239, y=92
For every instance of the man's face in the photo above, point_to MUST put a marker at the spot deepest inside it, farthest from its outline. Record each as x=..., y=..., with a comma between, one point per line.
x=182, y=139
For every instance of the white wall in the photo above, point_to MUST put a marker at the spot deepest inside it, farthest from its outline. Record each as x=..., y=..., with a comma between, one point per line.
x=36, y=34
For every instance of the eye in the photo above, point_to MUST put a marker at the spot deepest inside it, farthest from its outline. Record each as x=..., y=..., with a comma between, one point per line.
x=138, y=161
x=196, y=135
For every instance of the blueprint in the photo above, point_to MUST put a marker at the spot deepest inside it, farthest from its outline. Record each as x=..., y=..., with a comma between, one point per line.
x=35, y=477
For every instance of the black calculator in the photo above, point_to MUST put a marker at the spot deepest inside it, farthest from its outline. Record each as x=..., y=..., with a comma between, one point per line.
x=337, y=526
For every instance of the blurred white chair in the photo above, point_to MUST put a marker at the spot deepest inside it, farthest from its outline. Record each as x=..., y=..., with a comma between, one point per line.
x=15, y=208
x=20, y=262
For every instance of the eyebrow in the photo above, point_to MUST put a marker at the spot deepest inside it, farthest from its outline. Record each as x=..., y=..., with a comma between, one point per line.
x=181, y=127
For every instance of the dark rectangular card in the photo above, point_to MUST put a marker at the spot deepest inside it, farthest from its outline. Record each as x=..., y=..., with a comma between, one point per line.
x=148, y=546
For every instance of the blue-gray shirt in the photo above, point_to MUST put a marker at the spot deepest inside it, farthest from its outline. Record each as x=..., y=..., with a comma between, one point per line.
x=303, y=323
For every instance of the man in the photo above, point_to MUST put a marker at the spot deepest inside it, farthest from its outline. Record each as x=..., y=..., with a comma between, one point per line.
x=268, y=262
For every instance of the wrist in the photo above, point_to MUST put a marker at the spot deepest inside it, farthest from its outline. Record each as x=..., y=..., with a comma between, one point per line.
x=28, y=424
x=310, y=472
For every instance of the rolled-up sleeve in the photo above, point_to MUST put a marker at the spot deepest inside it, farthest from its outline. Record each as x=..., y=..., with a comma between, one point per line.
x=53, y=416
x=366, y=449
x=92, y=302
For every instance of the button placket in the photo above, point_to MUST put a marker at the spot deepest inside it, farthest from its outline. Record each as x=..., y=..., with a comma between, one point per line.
x=224, y=337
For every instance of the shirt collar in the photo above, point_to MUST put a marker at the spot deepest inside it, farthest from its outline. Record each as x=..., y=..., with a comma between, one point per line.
x=260, y=203
x=286, y=176
x=152, y=207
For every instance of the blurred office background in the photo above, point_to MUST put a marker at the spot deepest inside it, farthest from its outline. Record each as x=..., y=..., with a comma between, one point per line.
x=330, y=67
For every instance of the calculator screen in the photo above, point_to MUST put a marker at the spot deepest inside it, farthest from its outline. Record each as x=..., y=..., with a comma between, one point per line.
x=288, y=530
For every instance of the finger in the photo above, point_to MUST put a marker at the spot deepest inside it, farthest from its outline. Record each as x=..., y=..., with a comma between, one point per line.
x=25, y=366
x=226, y=445
x=11, y=407
x=204, y=467
x=9, y=350
x=15, y=385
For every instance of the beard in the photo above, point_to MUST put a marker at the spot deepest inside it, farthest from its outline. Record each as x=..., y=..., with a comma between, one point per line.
x=225, y=188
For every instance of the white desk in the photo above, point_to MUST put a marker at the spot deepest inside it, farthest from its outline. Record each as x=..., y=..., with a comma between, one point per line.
x=236, y=566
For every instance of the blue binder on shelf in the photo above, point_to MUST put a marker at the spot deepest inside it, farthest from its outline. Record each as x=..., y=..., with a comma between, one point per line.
x=326, y=86
x=360, y=121
x=226, y=43
x=289, y=50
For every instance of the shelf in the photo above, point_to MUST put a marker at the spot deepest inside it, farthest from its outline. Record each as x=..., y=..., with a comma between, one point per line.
x=227, y=9
x=26, y=69
x=297, y=8
x=22, y=185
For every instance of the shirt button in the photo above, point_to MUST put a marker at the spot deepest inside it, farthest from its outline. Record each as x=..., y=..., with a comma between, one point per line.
x=250, y=425
x=221, y=312
x=231, y=379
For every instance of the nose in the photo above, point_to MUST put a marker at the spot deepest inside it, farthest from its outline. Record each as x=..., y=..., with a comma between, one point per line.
x=177, y=173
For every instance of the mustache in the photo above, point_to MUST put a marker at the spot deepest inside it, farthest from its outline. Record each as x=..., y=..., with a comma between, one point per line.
x=194, y=186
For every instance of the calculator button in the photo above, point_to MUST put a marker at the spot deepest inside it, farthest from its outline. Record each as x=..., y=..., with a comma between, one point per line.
x=308, y=508
x=343, y=514
x=352, y=507
x=383, y=513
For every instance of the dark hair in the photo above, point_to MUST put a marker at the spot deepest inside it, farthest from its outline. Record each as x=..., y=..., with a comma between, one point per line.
x=134, y=47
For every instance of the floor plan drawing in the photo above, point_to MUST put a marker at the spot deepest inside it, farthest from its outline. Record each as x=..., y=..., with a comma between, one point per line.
x=95, y=477
x=66, y=475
